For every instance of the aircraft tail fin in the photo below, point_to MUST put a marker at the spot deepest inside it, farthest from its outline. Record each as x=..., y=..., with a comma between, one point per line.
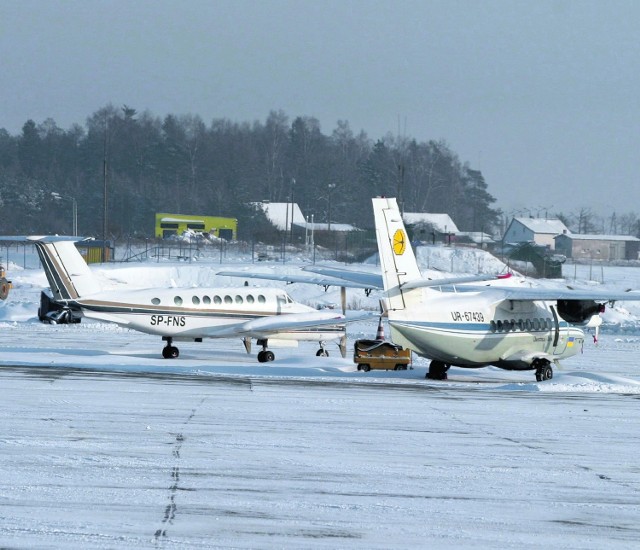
x=68, y=274
x=397, y=259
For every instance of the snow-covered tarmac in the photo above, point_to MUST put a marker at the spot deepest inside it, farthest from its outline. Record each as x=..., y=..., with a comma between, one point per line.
x=106, y=445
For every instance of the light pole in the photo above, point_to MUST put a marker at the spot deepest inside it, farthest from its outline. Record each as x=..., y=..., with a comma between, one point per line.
x=74, y=209
x=331, y=187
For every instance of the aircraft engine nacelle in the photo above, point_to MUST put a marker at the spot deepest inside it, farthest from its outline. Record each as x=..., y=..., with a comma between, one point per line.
x=579, y=312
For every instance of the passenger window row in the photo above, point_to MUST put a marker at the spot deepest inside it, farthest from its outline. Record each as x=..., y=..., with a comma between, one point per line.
x=527, y=325
x=216, y=300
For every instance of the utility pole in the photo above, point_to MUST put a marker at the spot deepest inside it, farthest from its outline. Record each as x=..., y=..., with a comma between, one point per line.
x=104, y=196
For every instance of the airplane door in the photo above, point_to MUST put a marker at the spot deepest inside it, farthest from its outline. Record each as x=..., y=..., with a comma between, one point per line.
x=556, y=333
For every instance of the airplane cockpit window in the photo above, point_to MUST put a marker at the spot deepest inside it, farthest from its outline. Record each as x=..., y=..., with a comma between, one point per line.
x=155, y=301
x=217, y=300
x=177, y=301
x=289, y=300
x=195, y=300
x=261, y=299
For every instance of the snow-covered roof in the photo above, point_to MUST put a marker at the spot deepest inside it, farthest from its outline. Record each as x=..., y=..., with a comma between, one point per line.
x=325, y=226
x=476, y=236
x=542, y=225
x=180, y=220
x=591, y=237
x=280, y=213
x=440, y=222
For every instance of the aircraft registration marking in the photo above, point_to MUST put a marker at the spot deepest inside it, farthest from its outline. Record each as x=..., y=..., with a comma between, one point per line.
x=168, y=320
x=467, y=316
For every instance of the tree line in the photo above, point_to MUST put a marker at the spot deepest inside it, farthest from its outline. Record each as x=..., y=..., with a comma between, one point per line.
x=179, y=164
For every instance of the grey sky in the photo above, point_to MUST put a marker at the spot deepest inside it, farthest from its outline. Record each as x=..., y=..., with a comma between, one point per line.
x=542, y=96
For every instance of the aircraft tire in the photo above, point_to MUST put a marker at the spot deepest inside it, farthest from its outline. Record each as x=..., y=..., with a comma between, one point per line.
x=4, y=288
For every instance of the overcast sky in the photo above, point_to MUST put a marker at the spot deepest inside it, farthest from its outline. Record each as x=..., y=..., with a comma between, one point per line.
x=542, y=96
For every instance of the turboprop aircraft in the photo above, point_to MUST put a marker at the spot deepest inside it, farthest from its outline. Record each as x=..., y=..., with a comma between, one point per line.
x=184, y=314
x=476, y=326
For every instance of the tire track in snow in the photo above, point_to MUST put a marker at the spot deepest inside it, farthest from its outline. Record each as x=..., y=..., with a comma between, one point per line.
x=171, y=507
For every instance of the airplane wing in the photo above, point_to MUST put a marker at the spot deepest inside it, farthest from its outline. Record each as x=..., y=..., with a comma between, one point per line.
x=357, y=279
x=552, y=294
x=360, y=279
x=275, y=324
x=308, y=279
x=447, y=281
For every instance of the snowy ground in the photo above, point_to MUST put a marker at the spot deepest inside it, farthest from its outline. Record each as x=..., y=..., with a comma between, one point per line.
x=106, y=445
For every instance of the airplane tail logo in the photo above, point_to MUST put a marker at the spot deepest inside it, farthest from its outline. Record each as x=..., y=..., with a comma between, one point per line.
x=399, y=242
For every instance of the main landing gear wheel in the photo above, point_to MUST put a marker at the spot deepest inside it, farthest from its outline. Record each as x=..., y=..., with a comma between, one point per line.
x=544, y=371
x=170, y=351
x=266, y=356
x=437, y=370
x=322, y=352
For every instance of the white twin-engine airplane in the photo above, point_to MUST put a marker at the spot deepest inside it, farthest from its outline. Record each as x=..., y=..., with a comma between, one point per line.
x=185, y=314
x=478, y=326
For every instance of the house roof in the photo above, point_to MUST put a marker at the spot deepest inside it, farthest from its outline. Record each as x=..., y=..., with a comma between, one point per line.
x=591, y=237
x=543, y=226
x=477, y=237
x=440, y=222
x=280, y=215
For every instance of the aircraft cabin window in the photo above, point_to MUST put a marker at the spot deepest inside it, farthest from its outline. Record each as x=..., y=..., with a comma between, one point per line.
x=195, y=300
x=549, y=323
x=512, y=324
x=217, y=300
x=228, y=299
x=536, y=324
x=206, y=300
x=527, y=324
x=499, y=323
x=492, y=326
x=250, y=299
x=155, y=301
x=261, y=299
x=239, y=299
x=177, y=301
x=521, y=324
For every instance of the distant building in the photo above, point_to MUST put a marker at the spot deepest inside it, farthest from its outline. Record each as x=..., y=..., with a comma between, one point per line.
x=534, y=230
x=431, y=227
x=168, y=225
x=598, y=247
x=282, y=215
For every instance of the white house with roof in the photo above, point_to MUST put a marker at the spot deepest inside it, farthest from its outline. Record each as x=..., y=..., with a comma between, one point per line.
x=598, y=247
x=540, y=231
